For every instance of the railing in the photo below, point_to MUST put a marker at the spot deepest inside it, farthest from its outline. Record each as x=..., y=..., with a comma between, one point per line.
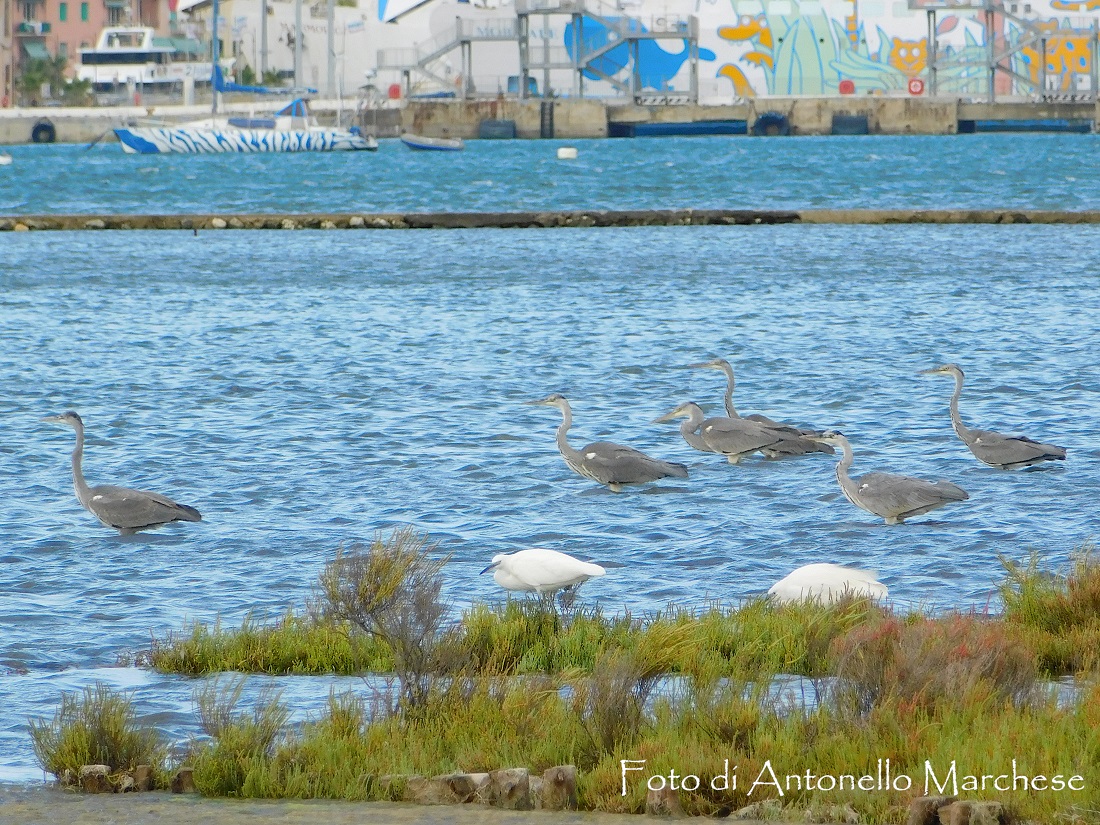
x=34, y=28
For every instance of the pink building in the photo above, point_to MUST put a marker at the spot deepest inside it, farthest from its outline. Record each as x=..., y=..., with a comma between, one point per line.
x=43, y=29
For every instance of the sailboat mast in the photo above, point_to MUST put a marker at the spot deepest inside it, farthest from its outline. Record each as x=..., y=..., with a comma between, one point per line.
x=214, y=57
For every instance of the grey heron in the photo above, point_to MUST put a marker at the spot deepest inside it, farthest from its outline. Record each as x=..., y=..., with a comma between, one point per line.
x=539, y=570
x=123, y=509
x=826, y=583
x=1005, y=452
x=606, y=462
x=734, y=438
x=893, y=497
x=797, y=440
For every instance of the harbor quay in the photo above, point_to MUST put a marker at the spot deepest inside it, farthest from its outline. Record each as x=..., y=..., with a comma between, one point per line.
x=565, y=118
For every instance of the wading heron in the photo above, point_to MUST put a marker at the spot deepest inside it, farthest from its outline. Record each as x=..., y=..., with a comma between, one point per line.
x=797, y=440
x=542, y=571
x=893, y=497
x=734, y=438
x=1005, y=452
x=827, y=584
x=123, y=509
x=606, y=462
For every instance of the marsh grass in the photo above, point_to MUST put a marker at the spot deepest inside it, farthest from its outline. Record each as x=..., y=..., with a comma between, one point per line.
x=293, y=644
x=683, y=690
x=1059, y=614
x=97, y=726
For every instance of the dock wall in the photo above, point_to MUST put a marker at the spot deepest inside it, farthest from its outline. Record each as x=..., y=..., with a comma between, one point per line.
x=578, y=119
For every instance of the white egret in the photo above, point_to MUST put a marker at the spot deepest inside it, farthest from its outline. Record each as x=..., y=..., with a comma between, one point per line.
x=542, y=571
x=827, y=584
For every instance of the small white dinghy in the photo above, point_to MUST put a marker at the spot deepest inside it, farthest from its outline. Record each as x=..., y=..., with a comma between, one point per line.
x=438, y=144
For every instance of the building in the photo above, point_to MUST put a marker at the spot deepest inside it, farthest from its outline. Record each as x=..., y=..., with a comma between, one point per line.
x=48, y=29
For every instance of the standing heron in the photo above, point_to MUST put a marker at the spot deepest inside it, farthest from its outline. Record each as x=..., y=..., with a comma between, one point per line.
x=734, y=438
x=798, y=441
x=1005, y=452
x=123, y=509
x=605, y=462
x=893, y=497
x=827, y=583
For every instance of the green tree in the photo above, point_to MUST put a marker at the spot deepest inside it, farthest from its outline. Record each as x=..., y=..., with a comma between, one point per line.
x=37, y=72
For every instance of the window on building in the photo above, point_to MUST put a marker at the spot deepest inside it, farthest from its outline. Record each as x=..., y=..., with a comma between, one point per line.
x=29, y=9
x=84, y=12
x=63, y=12
x=63, y=50
x=115, y=15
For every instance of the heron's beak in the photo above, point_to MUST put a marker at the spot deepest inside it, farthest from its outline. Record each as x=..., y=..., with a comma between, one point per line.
x=667, y=417
x=494, y=564
x=930, y=371
x=826, y=437
x=55, y=419
x=709, y=365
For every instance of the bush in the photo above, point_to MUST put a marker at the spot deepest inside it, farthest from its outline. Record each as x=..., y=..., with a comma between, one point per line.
x=932, y=662
x=95, y=727
x=392, y=592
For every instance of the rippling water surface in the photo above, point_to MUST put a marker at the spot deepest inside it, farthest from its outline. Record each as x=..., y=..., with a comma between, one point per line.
x=304, y=389
x=1016, y=171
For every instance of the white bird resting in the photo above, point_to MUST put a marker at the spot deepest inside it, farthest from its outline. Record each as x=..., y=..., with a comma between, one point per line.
x=542, y=571
x=827, y=584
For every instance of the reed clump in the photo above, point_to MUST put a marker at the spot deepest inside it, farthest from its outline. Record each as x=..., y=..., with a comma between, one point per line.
x=1059, y=614
x=293, y=644
x=97, y=726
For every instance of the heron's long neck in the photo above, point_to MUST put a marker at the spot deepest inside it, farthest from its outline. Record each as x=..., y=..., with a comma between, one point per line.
x=83, y=493
x=846, y=459
x=731, y=411
x=563, y=443
x=688, y=428
x=956, y=419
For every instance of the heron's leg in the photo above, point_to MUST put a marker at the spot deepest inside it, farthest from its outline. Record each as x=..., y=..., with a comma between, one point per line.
x=615, y=487
x=733, y=458
x=895, y=520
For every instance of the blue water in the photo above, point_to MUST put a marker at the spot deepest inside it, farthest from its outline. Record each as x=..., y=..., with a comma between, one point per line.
x=1018, y=171
x=305, y=389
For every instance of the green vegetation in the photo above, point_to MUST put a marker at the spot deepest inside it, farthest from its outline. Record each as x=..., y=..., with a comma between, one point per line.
x=38, y=73
x=520, y=684
x=96, y=727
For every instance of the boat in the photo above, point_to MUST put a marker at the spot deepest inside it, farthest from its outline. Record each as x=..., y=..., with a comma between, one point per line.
x=125, y=55
x=438, y=144
x=291, y=129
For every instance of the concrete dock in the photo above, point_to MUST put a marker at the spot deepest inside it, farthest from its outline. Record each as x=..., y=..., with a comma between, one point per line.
x=576, y=118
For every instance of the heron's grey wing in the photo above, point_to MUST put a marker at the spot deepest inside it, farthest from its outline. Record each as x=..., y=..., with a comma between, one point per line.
x=612, y=463
x=1007, y=450
x=123, y=508
x=894, y=495
x=787, y=428
x=737, y=436
x=793, y=444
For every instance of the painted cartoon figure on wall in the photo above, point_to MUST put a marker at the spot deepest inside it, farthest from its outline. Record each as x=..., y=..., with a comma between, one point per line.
x=783, y=47
x=656, y=68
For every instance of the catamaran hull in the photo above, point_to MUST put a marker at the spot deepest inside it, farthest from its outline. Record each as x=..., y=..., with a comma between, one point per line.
x=157, y=141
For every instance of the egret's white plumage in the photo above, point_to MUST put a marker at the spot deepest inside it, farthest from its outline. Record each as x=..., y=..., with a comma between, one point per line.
x=826, y=583
x=540, y=570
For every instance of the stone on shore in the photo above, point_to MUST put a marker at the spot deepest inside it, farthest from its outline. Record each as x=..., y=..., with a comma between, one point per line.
x=183, y=781
x=924, y=809
x=96, y=779
x=509, y=788
x=143, y=778
x=663, y=802
x=559, y=788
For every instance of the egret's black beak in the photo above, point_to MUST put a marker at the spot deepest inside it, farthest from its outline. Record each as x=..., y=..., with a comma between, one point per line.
x=490, y=567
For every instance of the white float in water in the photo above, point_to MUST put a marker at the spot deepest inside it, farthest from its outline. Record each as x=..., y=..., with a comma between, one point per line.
x=567, y=153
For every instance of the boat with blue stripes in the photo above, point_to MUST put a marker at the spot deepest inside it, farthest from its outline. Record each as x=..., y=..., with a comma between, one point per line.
x=291, y=129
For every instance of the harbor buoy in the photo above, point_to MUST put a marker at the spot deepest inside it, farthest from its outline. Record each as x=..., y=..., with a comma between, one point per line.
x=567, y=153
